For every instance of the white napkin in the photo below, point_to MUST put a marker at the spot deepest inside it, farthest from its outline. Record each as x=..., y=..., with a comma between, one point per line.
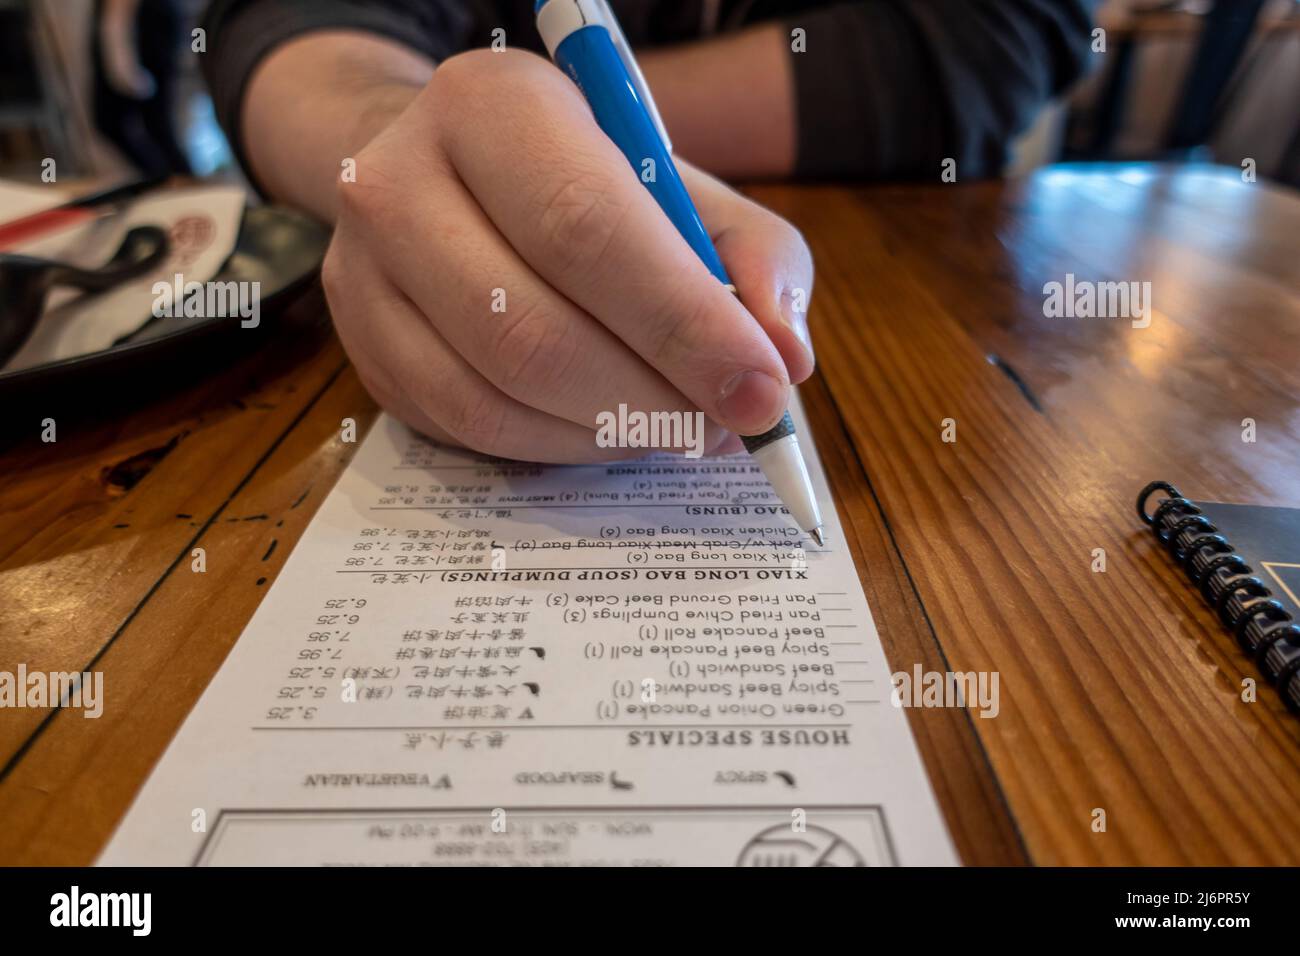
x=19, y=199
x=202, y=226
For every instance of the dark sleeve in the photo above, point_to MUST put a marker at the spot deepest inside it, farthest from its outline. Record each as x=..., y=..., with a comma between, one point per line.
x=241, y=32
x=893, y=87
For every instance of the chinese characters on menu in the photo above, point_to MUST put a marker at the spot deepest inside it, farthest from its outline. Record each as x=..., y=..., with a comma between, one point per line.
x=468, y=661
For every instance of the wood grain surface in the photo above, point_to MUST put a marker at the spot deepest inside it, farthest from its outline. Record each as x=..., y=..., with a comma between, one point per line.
x=1119, y=691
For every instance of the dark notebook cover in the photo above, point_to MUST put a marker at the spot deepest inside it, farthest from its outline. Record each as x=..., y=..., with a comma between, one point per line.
x=1269, y=540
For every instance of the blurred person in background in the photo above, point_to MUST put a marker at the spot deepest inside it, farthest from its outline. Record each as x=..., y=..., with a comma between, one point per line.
x=478, y=170
x=136, y=60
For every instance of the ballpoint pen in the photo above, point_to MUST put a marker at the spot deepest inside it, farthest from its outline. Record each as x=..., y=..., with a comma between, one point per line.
x=585, y=41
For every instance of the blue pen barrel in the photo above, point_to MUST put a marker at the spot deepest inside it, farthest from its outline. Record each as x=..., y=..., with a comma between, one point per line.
x=590, y=59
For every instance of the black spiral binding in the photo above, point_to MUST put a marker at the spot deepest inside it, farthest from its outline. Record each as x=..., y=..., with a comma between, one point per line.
x=1262, y=625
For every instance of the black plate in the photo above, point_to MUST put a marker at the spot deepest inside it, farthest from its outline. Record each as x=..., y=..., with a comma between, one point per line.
x=277, y=247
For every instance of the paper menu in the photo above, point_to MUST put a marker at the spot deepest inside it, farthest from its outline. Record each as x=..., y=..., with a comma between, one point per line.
x=24, y=199
x=475, y=662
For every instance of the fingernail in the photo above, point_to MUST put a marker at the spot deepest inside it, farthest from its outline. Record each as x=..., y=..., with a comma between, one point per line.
x=752, y=402
x=800, y=325
x=797, y=319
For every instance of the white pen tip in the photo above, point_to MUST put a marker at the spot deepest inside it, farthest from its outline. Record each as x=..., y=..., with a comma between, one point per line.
x=818, y=537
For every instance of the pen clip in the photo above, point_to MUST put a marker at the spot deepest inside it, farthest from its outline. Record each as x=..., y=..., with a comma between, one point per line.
x=557, y=19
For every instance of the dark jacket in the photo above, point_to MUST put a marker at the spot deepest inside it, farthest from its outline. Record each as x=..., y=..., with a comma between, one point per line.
x=884, y=87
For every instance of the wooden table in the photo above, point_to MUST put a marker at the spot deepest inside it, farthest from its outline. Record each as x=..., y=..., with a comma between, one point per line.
x=1118, y=689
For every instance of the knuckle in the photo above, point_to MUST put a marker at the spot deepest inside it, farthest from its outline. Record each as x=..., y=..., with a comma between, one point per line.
x=351, y=199
x=331, y=274
x=476, y=418
x=582, y=219
x=464, y=84
x=470, y=67
x=377, y=195
x=677, y=331
x=353, y=195
x=531, y=350
x=458, y=76
x=359, y=203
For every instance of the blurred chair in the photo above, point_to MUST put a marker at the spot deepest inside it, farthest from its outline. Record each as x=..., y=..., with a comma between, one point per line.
x=1225, y=34
x=37, y=100
x=1220, y=64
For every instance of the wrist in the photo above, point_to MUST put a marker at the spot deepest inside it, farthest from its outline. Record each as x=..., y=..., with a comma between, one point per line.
x=315, y=102
x=728, y=102
x=376, y=107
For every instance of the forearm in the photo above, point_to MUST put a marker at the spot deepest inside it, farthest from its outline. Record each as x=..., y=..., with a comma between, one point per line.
x=316, y=101
x=729, y=102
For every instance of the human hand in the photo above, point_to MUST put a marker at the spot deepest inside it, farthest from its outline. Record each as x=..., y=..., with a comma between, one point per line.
x=495, y=187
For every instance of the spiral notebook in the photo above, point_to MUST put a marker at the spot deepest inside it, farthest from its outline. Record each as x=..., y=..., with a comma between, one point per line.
x=1245, y=560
